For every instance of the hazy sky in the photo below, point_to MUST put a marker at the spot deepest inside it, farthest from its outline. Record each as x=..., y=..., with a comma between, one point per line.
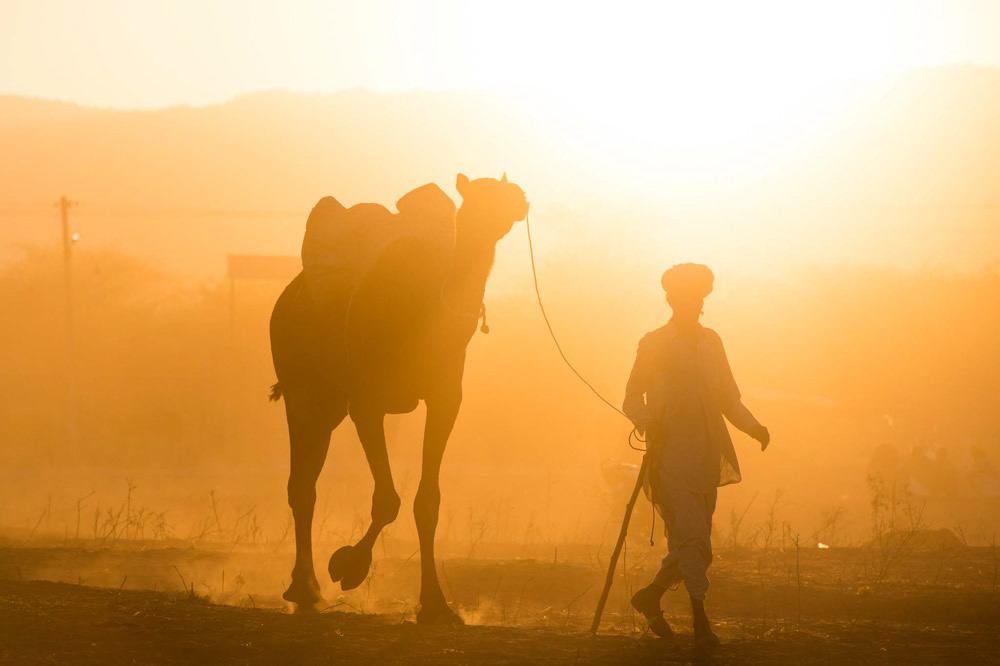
x=139, y=53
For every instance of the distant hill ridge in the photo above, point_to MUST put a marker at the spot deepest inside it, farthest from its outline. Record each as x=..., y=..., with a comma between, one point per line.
x=919, y=138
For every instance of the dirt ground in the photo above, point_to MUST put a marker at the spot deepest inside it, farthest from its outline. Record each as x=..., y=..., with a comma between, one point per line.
x=136, y=606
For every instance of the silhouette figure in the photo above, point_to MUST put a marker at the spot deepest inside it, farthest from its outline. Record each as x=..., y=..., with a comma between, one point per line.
x=680, y=388
x=378, y=320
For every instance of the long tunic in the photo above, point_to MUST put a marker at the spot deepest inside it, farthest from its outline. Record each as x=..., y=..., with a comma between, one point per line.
x=681, y=385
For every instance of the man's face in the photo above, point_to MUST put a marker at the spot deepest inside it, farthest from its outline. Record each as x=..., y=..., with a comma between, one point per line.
x=686, y=306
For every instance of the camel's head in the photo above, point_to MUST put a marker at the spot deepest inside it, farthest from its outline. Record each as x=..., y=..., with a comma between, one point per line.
x=491, y=205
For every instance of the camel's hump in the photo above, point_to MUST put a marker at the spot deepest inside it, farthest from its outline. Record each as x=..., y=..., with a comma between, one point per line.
x=334, y=233
x=366, y=213
x=320, y=228
x=429, y=202
x=349, y=238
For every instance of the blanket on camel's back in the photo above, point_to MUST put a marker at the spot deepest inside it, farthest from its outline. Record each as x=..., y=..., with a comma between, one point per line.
x=341, y=245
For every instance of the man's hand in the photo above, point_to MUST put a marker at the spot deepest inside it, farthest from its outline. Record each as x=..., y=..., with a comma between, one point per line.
x=642, y=425
x=762, y=436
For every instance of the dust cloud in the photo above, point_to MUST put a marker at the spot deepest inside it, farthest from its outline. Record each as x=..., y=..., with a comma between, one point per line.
x=858, y=294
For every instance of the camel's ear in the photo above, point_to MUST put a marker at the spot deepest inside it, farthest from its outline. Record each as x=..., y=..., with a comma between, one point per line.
x=504, y=179
x=461, y=183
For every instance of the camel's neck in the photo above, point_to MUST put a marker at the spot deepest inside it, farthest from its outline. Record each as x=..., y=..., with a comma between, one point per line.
x=471, y=265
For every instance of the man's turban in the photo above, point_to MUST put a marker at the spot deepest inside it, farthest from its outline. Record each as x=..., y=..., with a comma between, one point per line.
x=688, y=279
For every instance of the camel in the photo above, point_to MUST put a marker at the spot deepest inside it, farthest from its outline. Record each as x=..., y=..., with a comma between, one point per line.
x=376, y=344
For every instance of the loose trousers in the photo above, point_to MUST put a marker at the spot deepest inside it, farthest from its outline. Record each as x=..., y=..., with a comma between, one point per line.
x=687, y=518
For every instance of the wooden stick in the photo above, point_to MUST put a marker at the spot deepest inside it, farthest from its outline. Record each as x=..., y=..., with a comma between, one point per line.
x=618, y=547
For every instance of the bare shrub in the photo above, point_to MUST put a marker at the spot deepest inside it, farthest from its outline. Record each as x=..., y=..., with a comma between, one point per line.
x=896, y=520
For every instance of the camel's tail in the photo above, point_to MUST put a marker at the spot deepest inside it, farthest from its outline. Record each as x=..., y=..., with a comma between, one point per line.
x=275, y=394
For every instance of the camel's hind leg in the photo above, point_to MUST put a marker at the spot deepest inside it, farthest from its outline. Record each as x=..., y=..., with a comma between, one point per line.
x=310, y=422
x=441, y=415
x=350, y=564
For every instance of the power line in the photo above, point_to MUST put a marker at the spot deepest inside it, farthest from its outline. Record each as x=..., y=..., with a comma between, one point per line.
x=130, y=209
x=139, y=210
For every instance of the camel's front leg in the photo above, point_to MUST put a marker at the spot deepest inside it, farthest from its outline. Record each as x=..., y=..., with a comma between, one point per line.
x=441, y=415
x=350, y=564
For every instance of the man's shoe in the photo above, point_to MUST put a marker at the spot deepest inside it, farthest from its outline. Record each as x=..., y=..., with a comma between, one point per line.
x=704, y=637
x=647, y=602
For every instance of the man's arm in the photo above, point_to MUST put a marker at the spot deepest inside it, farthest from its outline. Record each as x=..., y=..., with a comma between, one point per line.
x=733, y=407
x=634, y=405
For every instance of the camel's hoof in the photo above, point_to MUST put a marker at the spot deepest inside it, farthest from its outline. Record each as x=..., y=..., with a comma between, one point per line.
x=439, y=614
x=304, y=594
x=705, y=638
x=350, y=566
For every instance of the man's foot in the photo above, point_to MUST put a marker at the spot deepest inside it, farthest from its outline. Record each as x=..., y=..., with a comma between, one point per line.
x=647, y=602
x=704, y=637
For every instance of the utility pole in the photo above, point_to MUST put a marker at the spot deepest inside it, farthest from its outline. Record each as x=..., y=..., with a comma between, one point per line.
x=64, y=205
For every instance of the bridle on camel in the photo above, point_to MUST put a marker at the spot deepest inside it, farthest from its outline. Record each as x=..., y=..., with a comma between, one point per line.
x=485, y=328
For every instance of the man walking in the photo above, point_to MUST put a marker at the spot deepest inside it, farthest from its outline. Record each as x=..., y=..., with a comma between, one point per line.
x=680, y=389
